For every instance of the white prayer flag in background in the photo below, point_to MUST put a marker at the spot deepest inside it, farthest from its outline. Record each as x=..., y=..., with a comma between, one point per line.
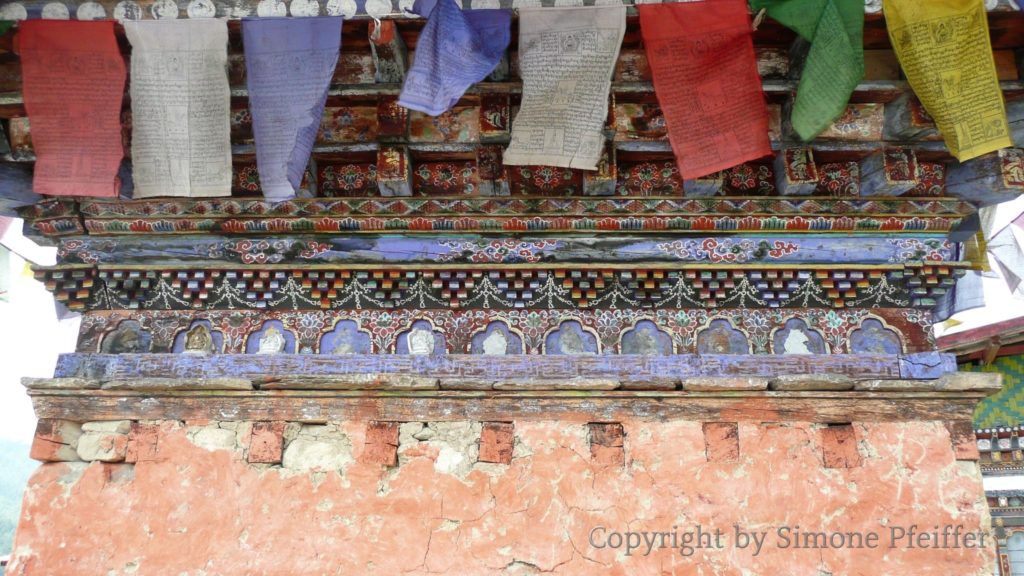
x=566, y=58
x=181, y=106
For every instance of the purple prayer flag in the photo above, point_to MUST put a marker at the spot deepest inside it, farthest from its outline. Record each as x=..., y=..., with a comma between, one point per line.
x=456, y=50
x=289, y=66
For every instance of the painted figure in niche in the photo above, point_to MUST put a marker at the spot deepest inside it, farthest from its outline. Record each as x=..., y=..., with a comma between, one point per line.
x=272, y=341
x=874, y=338
x=421, y=342
x=198, y=340
x=797, y=342
x=128, y=338
x=570, y=342
x=496, y=343
x=721, y=338
x=645, y=342
x=344, y=344
x=794, y=337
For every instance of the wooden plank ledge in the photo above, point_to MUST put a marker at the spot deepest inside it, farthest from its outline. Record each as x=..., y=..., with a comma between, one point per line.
x=575, y=406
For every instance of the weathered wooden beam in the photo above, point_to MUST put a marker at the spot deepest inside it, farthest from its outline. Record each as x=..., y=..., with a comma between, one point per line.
x=623, y=367
x=796, y=174
x=390, y=56
x=491, y=171
x=907, y=120
x=213, y=250
x=990, y=179
x=394, y=171
x=1015, y=114
x=495, y=118
x=564, y=406
x=392, y=120
x=888, y=172
x=705, y=186
x=15, y=188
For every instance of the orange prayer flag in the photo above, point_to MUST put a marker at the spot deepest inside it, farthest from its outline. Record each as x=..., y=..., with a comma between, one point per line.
x=705, y=76
x=73, y=78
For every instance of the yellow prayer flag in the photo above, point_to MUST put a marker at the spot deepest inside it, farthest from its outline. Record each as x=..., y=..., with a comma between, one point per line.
x=945, y=52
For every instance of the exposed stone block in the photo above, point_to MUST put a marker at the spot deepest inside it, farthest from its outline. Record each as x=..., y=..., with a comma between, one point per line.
x=117, y=426
x=381, y=443
x=266, y=443
x=970, y=382
x=839, y=447
x=961, y=436
x=103, y=446
x=723, y=384
x=178, y=384
x=558, y=384
x=641, y=383
x=318, y=448
x=213, y=437
x=894, y=385
x=811, y=382
x=364, y=381
x=55, y=441
x=721, y=441
x=60, y=383
x=606, y=443
x=497, y=440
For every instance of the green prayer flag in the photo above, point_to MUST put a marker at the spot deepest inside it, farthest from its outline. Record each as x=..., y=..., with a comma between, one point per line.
x=5, y=25
x=835, y=61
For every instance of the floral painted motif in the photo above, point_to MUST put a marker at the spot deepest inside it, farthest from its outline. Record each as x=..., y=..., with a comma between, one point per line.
x=748, y=179
x=248, y=178
x=728, y=250
x=545, y=180
x=445, y=178
x=348, y=179
x=651, y=179
x=496, y=251
x=839, y=179
x=931, y=179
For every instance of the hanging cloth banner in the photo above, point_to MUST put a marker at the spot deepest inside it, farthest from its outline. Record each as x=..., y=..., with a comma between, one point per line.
x=73, y=78
x=705, y=76
x=835, y=61
x=456, y=50
x=566, y=59
x=289, y=66
x=181, y=106
x=943, y=47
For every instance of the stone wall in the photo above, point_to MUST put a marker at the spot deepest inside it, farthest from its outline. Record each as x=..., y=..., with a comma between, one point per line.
x=466, y=497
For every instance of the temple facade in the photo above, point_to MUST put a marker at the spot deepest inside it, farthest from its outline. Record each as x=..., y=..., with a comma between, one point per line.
x=430, y=361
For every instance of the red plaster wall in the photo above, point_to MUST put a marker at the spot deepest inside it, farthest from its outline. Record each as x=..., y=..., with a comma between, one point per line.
x=192, y=510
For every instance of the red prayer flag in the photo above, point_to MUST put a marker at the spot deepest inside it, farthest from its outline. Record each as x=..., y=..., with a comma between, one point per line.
x=73, y=78
x=705, y=75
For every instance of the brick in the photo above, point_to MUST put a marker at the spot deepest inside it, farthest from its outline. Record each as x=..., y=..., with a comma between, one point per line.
x=839, y=447
x=55, y=441
x=143, y=443
x=721, y=441
x=606, y=444
x=961, y=437
x=381, y=443
x=497, y=440
x=266, y=443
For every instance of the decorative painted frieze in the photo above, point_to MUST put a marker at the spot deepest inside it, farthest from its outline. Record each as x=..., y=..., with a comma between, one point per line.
x=517, y=287
x=796, y=332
